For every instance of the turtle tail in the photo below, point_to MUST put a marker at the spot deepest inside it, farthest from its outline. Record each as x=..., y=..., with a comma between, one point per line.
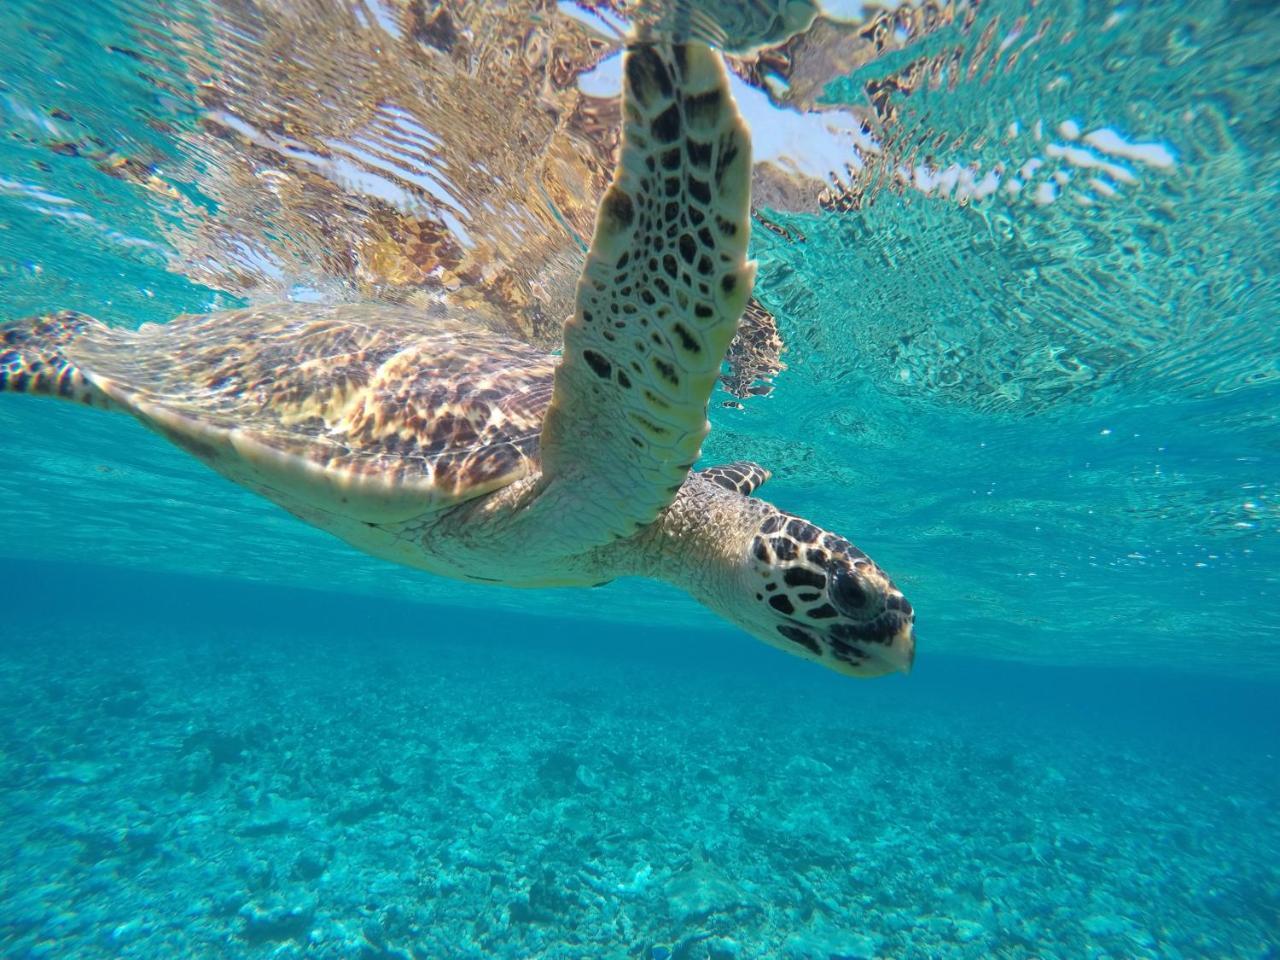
x=32, y=359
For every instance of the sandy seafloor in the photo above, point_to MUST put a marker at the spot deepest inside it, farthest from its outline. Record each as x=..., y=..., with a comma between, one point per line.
x=246, y=772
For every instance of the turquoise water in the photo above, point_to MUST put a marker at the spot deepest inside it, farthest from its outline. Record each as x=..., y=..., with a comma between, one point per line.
x=1032, y=366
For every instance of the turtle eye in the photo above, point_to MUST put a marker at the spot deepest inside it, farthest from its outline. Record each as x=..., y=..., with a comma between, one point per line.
x=847, y=591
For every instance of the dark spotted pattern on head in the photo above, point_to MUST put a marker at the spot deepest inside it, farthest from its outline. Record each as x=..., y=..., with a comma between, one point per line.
x=802, y=576
x=774, y=523
x=782, y=603
x=802, y=637
x=831, y=599
x=784, y=548
x=802, y=531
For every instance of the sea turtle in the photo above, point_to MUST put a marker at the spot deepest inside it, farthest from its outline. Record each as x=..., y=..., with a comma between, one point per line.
x=425, y=440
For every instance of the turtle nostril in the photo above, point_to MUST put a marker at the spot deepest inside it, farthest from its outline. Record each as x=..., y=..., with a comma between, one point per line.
x=847, y=591
x=900, y=603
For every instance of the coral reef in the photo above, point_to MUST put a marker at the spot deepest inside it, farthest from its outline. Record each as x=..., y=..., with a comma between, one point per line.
x=491, y=795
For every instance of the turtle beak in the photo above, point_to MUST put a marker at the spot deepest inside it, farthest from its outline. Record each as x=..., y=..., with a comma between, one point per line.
x=907, y=639
x=896, y=656
x=899, y=655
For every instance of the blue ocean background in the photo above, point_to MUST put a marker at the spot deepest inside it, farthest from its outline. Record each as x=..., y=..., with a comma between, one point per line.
x=1053, y=414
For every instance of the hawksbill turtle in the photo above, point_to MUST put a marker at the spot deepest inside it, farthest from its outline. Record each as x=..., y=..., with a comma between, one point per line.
x=425, y=440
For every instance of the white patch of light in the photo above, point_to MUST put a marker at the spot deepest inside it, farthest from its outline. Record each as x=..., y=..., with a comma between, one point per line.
x=943, y=181
x=278, y=283
x=1102, y=187
x=844, y=9
x=955, y=181
x=1114, y=18
x=604, y=22
x=1045, y=194
x=604, y=79
x=987, y=185
x=1010, y=38
x=363, y=150
x=346, y=169
x=349, y=171
x=124, y=240
x=778, y=85
x=811, y=144
x=384, y=16
x=302, y=293
x=79, y=216
x=251, y=133
x=61, y=213
x=857, y=11
x=16, y=108
x=409, y=126
x=459, y=231
x=1086, y=160
x=1110, y=142
x=56, y=207
x=33, y=192
x=815, y=144
x=262, y=261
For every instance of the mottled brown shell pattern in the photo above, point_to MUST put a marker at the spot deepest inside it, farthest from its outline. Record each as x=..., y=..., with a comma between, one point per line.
x=376, y=412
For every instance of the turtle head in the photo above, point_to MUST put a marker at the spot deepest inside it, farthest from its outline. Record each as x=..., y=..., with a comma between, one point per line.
x=819, y=596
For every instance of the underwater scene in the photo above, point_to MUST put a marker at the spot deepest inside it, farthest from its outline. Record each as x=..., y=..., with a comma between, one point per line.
x=372, y=589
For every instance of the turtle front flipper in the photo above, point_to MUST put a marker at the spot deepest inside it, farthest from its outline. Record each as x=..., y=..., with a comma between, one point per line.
x=664, y=286
x=32, y=359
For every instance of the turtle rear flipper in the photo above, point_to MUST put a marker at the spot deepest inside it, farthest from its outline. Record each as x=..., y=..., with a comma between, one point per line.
x=360, y=411
x=32, y=359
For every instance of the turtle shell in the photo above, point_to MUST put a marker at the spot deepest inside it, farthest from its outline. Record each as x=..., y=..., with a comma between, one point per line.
x=377, y=413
